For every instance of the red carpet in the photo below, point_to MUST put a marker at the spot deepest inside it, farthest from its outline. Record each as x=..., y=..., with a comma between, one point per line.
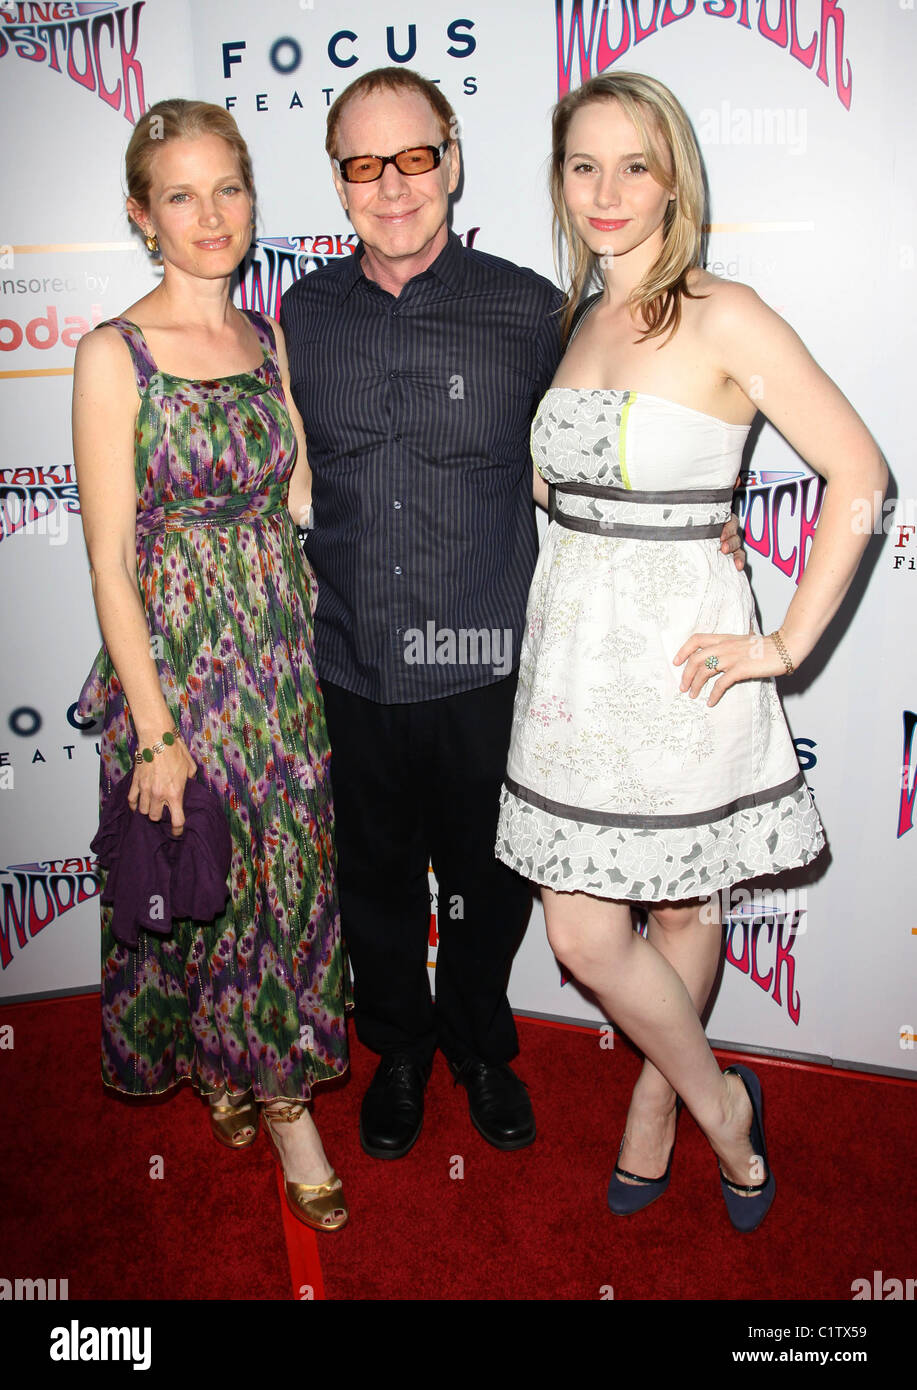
x=456, y=1219
x=79, y=1201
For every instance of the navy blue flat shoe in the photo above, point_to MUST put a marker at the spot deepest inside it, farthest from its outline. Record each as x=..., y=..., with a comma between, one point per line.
x=747, y=1212
x=625, y=1198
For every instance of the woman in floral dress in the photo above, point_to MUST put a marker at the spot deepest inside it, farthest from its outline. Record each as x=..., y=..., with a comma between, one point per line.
x=192, y=470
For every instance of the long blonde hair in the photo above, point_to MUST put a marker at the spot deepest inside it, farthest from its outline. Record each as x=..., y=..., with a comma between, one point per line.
x=655, y=112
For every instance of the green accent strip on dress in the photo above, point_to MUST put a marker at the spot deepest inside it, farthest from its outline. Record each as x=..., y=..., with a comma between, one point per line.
x=622, y=437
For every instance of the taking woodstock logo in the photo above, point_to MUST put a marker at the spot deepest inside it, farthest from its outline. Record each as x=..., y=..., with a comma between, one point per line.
x=93, y=41
x=37, y=500
x=278, y=261
x=779, y=512
x=761, y=930
x=35, y=895
x=592, y=35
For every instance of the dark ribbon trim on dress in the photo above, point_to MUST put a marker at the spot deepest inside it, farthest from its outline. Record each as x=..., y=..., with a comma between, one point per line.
x=701, y=532
x=647, y=822
x=238, y=509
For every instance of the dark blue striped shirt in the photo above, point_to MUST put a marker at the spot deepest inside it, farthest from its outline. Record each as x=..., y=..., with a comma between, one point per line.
x=417, y=412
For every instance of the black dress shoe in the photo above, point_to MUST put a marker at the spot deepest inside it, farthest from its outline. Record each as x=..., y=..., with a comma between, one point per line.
x=391, y=1116
x=497, y=1100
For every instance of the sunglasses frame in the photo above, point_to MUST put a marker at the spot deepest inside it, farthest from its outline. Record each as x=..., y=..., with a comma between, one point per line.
x=437, y=151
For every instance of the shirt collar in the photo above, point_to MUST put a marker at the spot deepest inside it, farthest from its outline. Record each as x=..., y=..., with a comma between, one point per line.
x=448, y=267
x=351, y=272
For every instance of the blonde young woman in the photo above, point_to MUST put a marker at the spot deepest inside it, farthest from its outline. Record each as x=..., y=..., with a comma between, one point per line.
x=192, y=469
x=650, y=761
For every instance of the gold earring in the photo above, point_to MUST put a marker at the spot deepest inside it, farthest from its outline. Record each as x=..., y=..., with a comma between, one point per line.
x=152, y=243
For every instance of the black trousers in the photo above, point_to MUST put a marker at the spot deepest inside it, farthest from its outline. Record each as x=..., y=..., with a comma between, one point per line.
x=414, y=784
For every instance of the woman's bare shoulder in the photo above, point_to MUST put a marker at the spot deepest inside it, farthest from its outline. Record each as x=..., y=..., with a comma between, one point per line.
x=723, y=306
x=102, y=350
x=719, y=291
x=103, y=372
x=718, y=296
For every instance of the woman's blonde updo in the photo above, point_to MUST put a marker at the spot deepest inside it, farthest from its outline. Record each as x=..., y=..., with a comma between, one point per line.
x=177, y=119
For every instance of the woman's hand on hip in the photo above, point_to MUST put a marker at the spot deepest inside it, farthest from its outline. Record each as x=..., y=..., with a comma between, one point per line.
x=725, y=659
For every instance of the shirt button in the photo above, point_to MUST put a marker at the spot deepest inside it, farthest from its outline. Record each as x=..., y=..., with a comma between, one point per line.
x=397, y=569
x=396, y=438
x=397, y=505
x=393, y=375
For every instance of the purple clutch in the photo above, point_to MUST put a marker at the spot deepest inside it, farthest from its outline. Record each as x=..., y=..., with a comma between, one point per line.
x=154, y=877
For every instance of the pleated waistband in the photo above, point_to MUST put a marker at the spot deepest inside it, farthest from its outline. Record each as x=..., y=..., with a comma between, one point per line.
x=188, y=513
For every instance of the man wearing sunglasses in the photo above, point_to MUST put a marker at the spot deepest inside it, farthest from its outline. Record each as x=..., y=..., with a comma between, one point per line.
x=417, y=365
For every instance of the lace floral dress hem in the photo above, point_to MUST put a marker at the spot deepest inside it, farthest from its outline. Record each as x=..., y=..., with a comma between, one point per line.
x=576, y=856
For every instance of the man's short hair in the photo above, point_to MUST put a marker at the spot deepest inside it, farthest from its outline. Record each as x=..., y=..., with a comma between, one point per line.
x=391, y=80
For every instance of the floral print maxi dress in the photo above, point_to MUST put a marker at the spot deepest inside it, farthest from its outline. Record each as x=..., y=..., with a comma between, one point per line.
x=256, y=997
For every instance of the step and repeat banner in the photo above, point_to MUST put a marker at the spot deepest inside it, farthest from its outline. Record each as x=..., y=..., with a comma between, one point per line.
x=804, y=114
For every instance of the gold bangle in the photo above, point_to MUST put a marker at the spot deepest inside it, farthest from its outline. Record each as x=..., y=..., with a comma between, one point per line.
x=146, y=755
x=783, y=653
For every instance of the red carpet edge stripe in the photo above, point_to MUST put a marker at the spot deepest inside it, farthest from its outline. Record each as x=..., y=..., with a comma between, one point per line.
x=302, y=1251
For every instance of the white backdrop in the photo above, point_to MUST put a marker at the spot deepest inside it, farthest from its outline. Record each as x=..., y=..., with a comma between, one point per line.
x=804, y=114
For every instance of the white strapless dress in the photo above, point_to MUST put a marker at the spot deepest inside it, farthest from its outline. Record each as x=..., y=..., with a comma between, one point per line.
x=617, y=783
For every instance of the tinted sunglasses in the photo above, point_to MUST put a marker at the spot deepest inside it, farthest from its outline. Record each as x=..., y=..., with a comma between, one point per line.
x=366, y=168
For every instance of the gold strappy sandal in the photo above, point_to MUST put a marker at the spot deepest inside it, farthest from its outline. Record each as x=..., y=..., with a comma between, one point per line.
x=230, y=1122
x=322, y=1206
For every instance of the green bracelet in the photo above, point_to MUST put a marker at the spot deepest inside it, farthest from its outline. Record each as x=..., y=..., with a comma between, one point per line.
x=146, y=755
